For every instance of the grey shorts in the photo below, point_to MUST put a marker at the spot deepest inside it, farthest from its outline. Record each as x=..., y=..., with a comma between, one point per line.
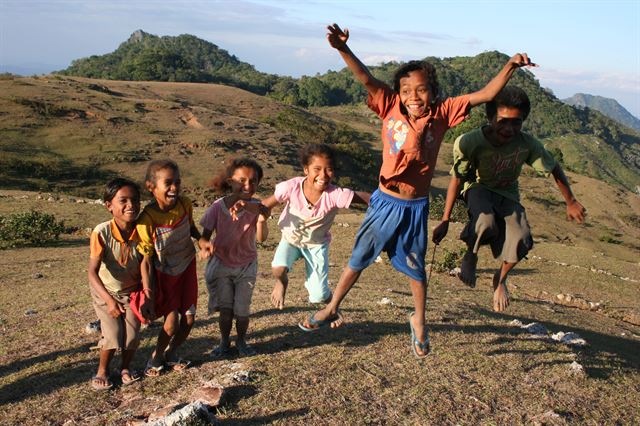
x=230, y=288
x=122, y=332
x=497, y=221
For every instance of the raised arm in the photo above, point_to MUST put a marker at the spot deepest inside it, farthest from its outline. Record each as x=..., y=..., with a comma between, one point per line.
x=338, y=40
x=496, y=84
x=575, y=210
x=440, y=231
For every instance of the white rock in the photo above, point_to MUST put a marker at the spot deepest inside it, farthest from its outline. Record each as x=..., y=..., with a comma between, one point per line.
x=574, y=367
x=535, y=328
x=194, y=413
x=515, y=323
x=570, y=338
x=455, y=272
x=379, y=260
x=386, y=301
x=92, y=327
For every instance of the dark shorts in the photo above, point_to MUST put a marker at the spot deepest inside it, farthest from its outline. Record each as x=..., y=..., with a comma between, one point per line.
x=177, y=292
x=397, y=226
x=497, y=221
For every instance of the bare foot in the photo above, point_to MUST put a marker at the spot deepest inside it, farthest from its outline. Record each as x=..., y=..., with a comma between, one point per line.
x=277, y=295
x=468, y=269
x=500, y=293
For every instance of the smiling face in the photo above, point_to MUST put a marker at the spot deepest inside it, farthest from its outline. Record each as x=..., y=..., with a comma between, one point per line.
x=415, y=94
x=505, y=125
x=124, y=207
x=244, y=182
x=166, y=188
x=319, y=172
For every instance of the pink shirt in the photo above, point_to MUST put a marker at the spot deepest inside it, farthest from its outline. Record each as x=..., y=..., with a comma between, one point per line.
x=235, y=240
x=304, y=224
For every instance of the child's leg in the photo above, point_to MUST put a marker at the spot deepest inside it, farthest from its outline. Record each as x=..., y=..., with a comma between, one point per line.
x=283, y=259
x=242, y=325
x=418, y=290
x=184, y=329
x=225, y=322
x=500, y=293
x=316, y=260
x=280, y=273
x=106, y=355
x=480, y=229
x=347, y=280
x=169, y=329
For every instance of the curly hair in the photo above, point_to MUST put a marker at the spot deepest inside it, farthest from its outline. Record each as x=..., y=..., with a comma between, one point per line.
x=510, y=97
x=316, y=150
x=219, y=182
x=428, y=70
x=113, y=186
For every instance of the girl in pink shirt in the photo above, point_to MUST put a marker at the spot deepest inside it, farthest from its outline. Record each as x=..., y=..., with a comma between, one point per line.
x=238, y=221
x=311, y=204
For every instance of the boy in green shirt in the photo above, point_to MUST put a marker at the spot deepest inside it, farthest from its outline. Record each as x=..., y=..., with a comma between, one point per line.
x=486, y=165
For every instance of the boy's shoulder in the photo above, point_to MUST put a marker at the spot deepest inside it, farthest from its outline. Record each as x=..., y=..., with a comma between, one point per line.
x=101, y=227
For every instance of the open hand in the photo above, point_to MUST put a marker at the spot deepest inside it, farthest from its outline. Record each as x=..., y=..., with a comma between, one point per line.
x=337, y=37
x=440, y=231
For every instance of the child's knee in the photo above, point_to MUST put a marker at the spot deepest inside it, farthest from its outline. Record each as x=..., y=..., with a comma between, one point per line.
x=171, y=323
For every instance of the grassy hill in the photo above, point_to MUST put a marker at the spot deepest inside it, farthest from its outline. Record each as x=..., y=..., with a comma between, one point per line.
x=589, y=142
x=62, y=137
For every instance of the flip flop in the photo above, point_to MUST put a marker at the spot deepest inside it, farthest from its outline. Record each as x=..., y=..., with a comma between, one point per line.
x=133, y=376
x=100, y=383
x=220, y=352
x=424, y=347
x=179, y=365
x=246, y=350
x=318, y=324
x=153, y=370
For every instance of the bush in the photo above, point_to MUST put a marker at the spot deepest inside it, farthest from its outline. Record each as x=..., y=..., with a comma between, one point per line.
x=31, y=228
x=450, y=260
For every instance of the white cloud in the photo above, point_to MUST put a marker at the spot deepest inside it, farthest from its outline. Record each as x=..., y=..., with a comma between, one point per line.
x=378, y=59
x=604, y=80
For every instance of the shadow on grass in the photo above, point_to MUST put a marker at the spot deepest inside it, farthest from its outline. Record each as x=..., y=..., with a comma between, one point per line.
x=604, y=354
x=46, y=381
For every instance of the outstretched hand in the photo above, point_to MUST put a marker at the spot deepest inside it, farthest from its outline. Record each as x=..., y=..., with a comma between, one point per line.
x=576, y=211
x=337, y=37
x=522, y=60
x=440, y=231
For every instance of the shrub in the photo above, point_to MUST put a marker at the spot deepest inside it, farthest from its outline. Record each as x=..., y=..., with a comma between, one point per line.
x=449, y=261
x=436, y=208
x=30, y=228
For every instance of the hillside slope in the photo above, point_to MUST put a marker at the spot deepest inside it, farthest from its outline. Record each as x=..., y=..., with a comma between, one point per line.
x=609, y=107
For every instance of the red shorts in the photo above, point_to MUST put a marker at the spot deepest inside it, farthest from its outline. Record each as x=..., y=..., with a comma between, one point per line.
x=177, y=292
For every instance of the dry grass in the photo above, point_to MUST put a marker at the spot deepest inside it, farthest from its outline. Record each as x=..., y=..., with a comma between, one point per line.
x=482, y=369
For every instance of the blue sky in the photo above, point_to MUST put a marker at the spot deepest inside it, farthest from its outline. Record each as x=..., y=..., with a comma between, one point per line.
x=581, y=46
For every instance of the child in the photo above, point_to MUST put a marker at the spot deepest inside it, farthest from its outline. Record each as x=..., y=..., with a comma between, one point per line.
x=312, y=203
x=165, y=228
x=114, y=273
x=414, y=123
x=488, y=162
x=238, y=221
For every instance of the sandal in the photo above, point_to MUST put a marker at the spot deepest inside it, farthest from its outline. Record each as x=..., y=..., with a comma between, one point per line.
x=153, y=370
x=179, y=365
x=425, y=346
x=101, y=383
x=315, y=324
x=129, y=376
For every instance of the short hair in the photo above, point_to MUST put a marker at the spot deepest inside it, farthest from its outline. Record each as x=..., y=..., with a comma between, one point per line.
x=316, y=150
x=114, y=185
x=429, y=72
x=219, y=182
x=156, y=165
x=510, y=97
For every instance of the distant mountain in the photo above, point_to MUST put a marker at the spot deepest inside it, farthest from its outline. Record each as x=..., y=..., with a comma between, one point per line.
x=609, y=107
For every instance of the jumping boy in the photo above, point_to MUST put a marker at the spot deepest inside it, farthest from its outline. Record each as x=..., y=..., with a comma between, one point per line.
x=414, y=123
x=486, y=165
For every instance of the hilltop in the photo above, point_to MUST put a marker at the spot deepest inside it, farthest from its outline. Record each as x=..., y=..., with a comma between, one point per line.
x=609, y=107
x=585, y=140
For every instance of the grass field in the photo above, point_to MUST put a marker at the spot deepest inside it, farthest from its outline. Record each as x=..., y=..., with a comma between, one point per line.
x=483, y=369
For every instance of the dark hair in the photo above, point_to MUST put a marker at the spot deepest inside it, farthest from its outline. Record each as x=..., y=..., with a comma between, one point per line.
x=316, y=150
x=156, y=165
x=510, y=97
x=429, y=72
x=219, y=182
x=115, y=185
